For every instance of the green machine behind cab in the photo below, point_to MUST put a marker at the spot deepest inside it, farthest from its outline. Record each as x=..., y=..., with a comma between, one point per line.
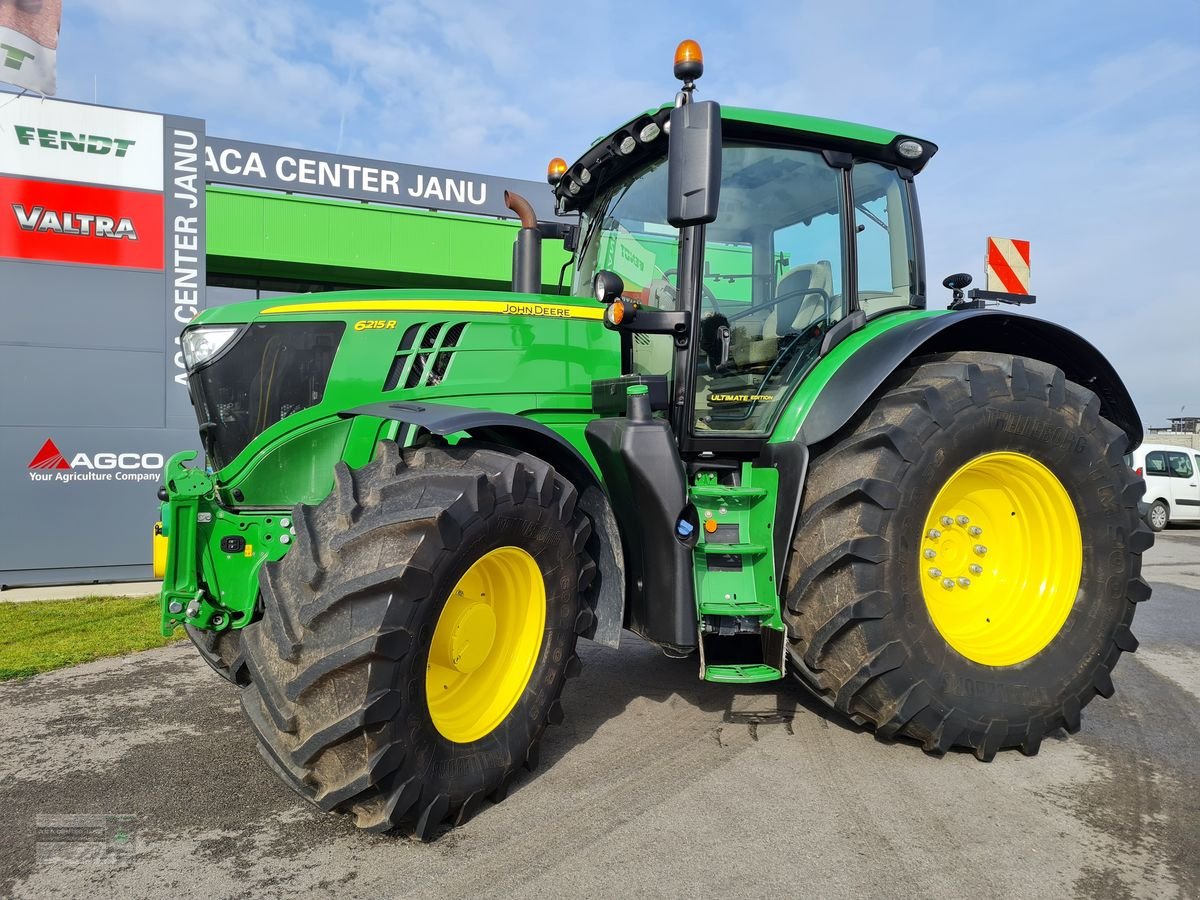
x=742, y=434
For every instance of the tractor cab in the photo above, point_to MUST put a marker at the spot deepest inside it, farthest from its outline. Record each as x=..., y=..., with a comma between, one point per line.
x=732, y=256
x=776, y=274
x=816, y=232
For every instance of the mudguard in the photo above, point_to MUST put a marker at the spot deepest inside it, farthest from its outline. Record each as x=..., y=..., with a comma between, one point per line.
x=520, y=433
x=862, y=373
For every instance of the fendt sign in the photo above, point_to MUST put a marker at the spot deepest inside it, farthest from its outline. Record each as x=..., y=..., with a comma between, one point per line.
x=96, y=144
x=73, y=142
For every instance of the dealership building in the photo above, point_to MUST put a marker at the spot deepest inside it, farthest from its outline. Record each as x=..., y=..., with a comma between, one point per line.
x=116, y=228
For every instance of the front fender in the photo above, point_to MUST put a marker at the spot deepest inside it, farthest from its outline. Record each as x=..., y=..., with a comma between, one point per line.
x=525, y=435
x=845, y=379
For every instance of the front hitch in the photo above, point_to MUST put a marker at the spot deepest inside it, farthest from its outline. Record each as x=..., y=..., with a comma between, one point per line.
x=181, y=599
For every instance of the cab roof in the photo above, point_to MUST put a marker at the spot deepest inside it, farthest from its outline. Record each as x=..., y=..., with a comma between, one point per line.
x=860, y=141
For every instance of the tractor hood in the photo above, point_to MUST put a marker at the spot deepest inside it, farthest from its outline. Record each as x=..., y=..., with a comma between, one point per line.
x=262, y=372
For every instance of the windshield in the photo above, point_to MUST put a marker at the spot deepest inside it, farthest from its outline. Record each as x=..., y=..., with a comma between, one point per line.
x=627, y=233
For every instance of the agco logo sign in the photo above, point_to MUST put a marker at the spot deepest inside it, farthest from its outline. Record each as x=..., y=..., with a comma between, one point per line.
x=50, y=464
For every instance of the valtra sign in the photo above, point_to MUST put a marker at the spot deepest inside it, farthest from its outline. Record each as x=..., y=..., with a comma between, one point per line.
x=96, y=226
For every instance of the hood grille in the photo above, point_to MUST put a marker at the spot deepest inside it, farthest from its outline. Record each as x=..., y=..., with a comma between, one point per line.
x=424, y=355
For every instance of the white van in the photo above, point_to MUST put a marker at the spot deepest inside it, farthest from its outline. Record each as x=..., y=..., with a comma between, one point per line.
x=1172, y=483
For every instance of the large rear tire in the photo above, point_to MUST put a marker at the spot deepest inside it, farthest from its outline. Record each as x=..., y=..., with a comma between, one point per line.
x=902, y=616
x=415, y=640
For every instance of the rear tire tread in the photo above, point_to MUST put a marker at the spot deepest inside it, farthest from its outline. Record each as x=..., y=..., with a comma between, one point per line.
x=835, y=607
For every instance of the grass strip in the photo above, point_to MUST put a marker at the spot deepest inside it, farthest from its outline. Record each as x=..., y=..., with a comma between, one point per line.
x=41, y=635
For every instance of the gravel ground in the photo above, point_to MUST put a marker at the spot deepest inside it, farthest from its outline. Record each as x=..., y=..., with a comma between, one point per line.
x=657, y=785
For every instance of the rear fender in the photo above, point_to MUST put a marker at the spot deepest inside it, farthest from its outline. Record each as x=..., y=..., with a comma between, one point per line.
x=870, y=365
x=527, y=436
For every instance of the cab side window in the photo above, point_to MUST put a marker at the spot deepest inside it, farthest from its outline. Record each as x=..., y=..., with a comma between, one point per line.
x=887, y=267
x=1180, y=465
x=1156, y=463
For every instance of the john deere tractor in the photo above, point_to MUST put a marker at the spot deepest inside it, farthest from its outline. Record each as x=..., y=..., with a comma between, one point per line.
x=741, y=434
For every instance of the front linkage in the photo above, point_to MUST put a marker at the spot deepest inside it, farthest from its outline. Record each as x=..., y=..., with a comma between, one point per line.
x=221, y=591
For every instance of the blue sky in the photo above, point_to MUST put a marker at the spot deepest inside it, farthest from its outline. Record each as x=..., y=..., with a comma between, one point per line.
x=1073, y=124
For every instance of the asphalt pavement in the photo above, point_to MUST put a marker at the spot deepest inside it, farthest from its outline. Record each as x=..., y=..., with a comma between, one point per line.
x=135, y=777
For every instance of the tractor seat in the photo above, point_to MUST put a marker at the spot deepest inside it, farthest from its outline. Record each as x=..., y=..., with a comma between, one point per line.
x=802, y=308
x=796, y=312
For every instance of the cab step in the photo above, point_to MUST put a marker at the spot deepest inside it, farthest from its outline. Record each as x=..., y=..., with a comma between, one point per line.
x=726, y=492
x=718, y=549
x=735, y=607
x=740, y=630
x=752, y=673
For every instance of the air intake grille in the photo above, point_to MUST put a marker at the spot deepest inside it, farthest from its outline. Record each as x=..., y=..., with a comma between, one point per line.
x=424, y=355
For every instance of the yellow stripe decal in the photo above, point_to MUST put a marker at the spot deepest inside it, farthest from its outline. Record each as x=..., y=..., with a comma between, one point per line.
x=498, y=307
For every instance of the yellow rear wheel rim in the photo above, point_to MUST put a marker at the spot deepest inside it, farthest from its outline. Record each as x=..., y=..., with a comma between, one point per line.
x=486, y=644
x=1001, y=558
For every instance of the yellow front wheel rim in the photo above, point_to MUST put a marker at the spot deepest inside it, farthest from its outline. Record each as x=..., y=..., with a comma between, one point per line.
x=1001, y=558
x=486, y=644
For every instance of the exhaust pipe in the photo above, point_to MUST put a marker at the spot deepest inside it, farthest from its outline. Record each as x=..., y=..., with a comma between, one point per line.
x=527, y=250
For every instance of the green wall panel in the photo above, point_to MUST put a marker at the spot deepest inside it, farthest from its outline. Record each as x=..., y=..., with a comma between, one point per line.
x=284, y=235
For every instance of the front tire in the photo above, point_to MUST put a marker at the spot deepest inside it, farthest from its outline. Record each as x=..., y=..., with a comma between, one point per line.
x=222, y=650
x=882, y=623
x=415, y=640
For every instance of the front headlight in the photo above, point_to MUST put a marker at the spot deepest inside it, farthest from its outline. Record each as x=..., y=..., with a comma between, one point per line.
x=203, y=343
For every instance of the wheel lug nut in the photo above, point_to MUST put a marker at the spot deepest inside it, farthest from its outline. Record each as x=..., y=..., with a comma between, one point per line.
x=948, y=583
x=964, y=582
x=934, y=534
x=947, y=521
x=975, y=570
x=980, y=550
x=963, y=520
x=974, y=531
x=930, y=554
x=935, y=573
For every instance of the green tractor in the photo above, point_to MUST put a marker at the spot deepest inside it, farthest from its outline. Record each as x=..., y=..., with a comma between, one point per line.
x=740, y=434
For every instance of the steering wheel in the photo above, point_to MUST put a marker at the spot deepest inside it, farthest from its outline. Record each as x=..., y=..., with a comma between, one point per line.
x=705, y=293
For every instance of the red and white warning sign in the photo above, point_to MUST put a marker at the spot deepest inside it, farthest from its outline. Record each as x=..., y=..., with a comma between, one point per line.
x=1007, y=265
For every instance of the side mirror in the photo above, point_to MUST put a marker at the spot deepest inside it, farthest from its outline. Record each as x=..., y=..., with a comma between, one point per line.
x=694, y=164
